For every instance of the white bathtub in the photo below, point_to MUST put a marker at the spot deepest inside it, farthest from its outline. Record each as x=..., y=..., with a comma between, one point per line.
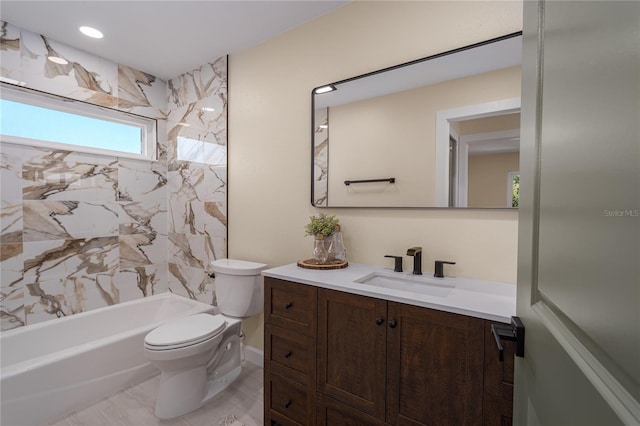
x=51, y=369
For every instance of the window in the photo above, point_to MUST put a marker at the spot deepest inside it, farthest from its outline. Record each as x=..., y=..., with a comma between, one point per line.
x=513, y=189
x=33, y=118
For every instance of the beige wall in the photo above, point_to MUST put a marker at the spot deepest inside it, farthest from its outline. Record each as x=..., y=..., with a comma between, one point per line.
x=270, y=147
x=489, y=124
x=396, y=133
x=488, y=178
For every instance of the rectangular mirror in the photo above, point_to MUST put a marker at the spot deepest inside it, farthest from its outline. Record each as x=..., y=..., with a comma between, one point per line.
x=441, y=131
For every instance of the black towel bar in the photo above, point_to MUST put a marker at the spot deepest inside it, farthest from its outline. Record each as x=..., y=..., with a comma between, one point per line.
x=390, y=180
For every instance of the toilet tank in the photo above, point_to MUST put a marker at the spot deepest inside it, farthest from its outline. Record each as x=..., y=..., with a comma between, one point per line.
x=239, y=287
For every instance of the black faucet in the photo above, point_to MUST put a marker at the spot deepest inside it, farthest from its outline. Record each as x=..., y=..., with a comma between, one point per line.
x=397, y=267
x=416, y=252
x=439, y=268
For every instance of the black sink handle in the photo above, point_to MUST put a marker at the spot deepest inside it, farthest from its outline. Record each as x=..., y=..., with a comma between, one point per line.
x=397, y=267
x=439, y=268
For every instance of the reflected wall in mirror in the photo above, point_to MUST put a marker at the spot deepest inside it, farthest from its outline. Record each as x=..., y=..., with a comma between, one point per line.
x=445, y=128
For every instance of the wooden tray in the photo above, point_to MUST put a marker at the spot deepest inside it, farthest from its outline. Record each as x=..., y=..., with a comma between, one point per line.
x=313, y=264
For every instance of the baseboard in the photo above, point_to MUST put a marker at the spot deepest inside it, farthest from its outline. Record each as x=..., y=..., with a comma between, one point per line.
x=254, y=355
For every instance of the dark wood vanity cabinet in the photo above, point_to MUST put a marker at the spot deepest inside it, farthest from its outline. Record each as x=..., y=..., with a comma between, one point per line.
x=373, y=362
x=399, y=363
x=290, y=353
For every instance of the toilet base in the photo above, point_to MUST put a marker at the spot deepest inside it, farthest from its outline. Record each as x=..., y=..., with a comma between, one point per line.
x=183, y=389
x=193, y=384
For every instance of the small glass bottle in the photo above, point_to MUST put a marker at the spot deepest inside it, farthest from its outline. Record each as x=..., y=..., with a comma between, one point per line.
x=337, y=252
x=319, y=252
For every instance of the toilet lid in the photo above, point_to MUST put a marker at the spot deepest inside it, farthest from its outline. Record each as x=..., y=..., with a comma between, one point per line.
x=186, y=331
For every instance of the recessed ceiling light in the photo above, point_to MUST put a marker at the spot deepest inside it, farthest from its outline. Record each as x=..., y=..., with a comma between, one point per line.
x=325, y=89
x=58, y=60
x=91, y=32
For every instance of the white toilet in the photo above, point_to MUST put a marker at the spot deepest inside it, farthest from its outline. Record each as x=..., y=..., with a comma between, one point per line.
x=199, y=355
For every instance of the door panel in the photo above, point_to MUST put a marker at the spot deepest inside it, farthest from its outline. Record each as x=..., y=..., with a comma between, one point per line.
x=579, y=223
x=588, y=256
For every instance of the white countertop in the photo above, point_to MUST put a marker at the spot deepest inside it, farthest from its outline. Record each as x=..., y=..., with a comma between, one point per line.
x=494, y=301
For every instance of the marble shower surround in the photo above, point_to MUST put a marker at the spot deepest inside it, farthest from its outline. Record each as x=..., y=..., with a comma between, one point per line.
x=82, y=231
x=197, y=170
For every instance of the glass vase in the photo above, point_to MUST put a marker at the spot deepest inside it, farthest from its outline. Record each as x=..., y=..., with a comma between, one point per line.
x=319, y=254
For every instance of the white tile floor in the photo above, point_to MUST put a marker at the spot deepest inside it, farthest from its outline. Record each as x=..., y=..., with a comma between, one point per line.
x=241, y=401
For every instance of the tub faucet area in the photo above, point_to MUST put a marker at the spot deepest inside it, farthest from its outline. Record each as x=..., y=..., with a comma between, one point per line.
x=416, y=252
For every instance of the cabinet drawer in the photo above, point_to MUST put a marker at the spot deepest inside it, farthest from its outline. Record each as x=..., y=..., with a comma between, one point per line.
x=289, y=399
x=290, y=305
x=334, y=413
x=290, y=354
x=275, y=419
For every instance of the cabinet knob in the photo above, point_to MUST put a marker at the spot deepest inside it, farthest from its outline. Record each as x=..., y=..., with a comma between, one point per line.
x=288, y=305
x=287, y=354
x=287, y=404
x=392, y=323
x=379, y=320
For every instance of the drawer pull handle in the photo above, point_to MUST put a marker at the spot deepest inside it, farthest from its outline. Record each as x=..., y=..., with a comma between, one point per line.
x=288, y=305
x=379, y=320
x=287, y=404
x=393, y=323
x=287, y=354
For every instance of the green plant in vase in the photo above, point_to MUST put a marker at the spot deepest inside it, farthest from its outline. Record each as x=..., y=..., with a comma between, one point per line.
x=322, y=224
x=321, y=227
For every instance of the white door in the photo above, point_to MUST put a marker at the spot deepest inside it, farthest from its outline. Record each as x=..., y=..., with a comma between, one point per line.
x=579, y=223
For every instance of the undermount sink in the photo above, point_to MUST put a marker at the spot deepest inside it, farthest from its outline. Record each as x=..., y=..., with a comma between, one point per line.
x=411, y=283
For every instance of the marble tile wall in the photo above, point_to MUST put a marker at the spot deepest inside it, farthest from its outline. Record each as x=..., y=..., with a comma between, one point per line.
x=197, y=175
x=81, y=231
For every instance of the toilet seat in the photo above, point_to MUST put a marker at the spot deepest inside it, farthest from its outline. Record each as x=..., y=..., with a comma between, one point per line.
x=185, y=332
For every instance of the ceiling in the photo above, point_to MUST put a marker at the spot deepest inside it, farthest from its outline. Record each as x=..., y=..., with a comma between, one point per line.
x=159, y=37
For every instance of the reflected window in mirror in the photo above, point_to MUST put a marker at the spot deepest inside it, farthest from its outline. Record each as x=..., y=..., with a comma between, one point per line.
x=513, y=189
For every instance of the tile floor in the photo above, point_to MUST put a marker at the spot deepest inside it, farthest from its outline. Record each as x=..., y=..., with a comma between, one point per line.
x=241, y=401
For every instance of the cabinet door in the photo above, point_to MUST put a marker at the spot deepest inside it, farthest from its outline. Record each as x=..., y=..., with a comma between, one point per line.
x=498, y=375
x=434, y=367
x=352, y=350
x=496, y=411
x=497, y=406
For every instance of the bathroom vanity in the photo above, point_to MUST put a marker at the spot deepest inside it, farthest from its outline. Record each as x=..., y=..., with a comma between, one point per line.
x=368, y=346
